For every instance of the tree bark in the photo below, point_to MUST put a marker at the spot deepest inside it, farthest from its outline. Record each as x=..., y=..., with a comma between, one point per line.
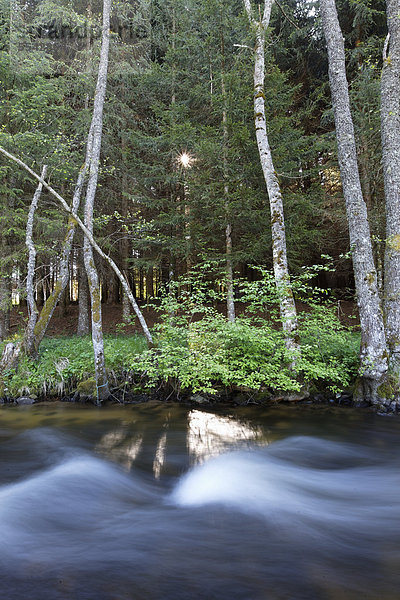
x=373, y=352
x=281, y=272
x=83, y=327
x=390, y=132
x=29, y=337
x=125, y=242
x=103, y=390
x=5, y=302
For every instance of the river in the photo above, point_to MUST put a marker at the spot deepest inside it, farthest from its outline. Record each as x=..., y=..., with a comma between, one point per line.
x=168, y=502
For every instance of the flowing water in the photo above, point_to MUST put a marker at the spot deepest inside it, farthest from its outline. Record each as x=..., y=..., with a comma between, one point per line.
x=165, y=502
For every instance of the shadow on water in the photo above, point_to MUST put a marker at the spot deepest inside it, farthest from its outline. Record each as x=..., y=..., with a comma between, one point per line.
x=168, y=503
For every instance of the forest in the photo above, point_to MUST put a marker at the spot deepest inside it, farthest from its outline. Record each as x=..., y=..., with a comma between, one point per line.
x=230, y=168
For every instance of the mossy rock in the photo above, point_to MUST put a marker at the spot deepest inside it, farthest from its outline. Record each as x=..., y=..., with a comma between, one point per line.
x=87, y=388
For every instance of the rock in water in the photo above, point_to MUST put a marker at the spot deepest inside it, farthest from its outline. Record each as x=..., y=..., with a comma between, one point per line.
x=24, y=401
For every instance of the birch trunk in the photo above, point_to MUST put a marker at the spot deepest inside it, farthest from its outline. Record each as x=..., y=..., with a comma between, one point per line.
x=29, y=337
x=281, y=272
x=102, y=386
x=373, y=352
x=390, y=132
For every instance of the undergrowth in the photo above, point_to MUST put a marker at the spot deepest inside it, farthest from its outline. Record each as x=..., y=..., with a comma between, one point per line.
x=197, y=350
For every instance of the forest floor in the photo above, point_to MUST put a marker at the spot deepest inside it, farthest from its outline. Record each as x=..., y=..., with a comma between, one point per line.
x=65, y=319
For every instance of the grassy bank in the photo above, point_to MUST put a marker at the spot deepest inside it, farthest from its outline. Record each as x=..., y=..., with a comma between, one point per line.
x=207, y=355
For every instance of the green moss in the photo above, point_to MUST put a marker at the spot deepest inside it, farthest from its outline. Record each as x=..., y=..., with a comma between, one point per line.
x=259, y=115
x=370, y=278
x=96, y=307
x=386, y=390
x=47, y=310
x=394, y=242
x=87, y=387
x=276, y=218
x=260, y=94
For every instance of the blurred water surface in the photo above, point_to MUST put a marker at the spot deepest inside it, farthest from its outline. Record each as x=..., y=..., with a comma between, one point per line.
x=167, y=502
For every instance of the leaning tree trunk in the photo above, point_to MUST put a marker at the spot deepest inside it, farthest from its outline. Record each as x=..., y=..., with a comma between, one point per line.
x=373, y=352
x=390, y=132
x=103, y=390
x=281, y=272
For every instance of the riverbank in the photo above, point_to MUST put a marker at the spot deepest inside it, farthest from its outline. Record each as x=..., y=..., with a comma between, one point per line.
x=198, y=358
x=207, y=361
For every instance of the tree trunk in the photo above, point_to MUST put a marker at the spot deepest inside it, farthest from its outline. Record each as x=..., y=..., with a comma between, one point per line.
x=125, y=243
x=149, y=283
x=83, y=327
x=112, y=296
x=5, y=303
x=281, y=272
x=102, y=386
x=390, y=132
x=373, y=353
x=29, y=337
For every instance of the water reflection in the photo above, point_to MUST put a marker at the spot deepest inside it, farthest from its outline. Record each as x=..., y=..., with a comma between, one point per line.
x=159, y=458
x=210, y=434
x=203, y=434
x=121, y=446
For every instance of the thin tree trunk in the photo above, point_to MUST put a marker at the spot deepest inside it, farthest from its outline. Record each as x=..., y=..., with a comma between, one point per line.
x=5, y=292
x=149, y=283
x=390, y=131
x=83, y=327
x=125, y=242
x=102, y=386
x=373, y=353
x=112, y=287
x=29, y=337
x=5, y=302
x=281, y=272
x=188, y=224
